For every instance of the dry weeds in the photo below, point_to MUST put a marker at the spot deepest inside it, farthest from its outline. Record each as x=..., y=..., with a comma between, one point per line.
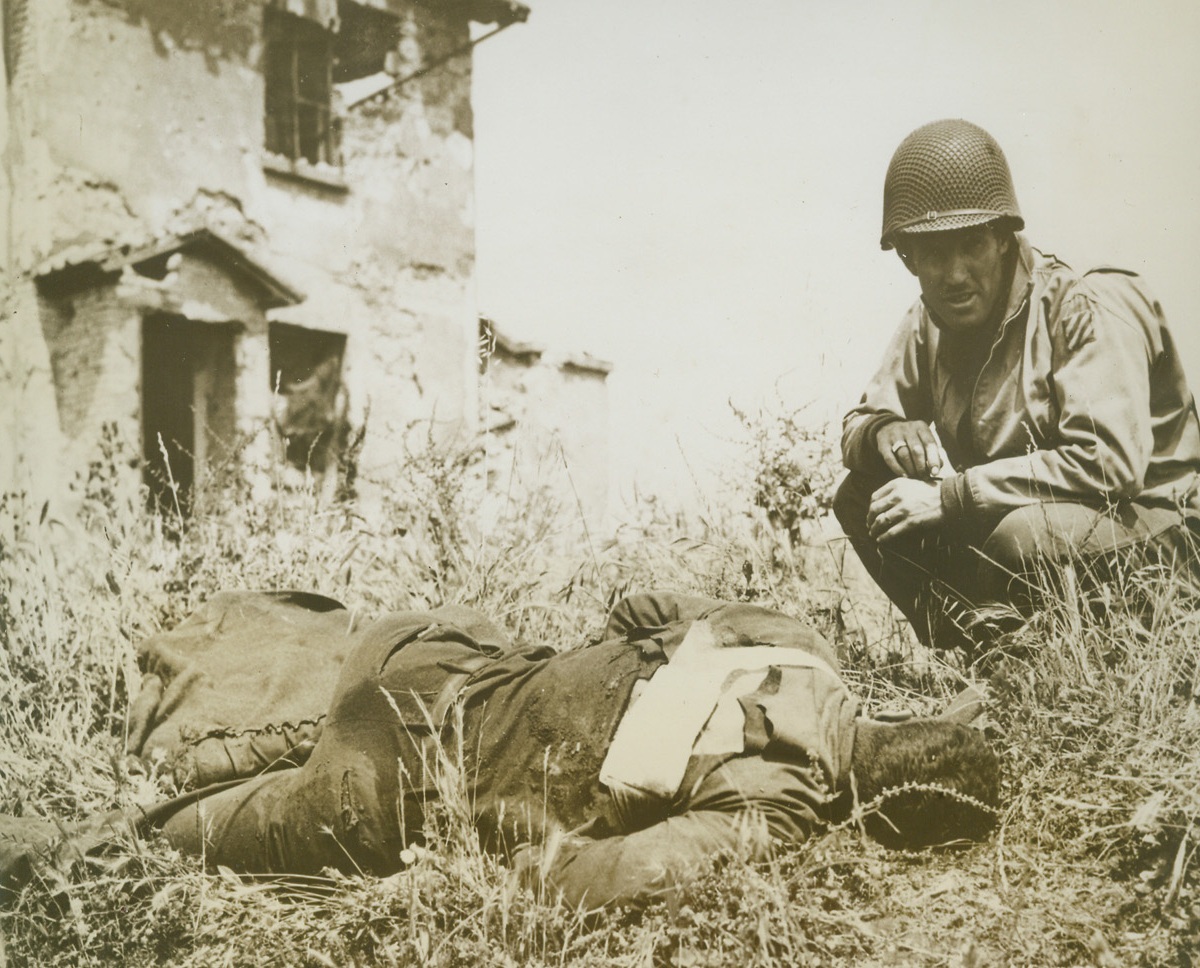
x=1094, y=861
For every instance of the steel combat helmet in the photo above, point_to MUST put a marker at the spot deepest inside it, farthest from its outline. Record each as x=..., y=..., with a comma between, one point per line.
x=947, y=175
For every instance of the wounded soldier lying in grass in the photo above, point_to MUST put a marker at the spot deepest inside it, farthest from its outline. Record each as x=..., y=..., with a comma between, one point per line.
x=694, y=727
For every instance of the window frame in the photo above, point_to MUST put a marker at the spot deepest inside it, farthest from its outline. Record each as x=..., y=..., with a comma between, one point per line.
x=301, y=130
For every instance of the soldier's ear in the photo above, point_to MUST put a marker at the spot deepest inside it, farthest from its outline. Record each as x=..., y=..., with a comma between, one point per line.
x=1006, y=239
x=907, y=259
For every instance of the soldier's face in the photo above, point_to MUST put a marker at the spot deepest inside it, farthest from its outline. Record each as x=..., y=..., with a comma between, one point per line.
x=961, y=274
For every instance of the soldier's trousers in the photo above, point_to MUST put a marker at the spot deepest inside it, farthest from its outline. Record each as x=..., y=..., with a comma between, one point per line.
x=941, y=581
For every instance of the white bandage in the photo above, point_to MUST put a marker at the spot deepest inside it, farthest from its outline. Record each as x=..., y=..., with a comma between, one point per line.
x=650, y=750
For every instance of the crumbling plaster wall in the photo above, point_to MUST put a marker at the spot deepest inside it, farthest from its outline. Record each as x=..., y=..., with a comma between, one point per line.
x=546, y=423
x=134, y=118
x=95, y=354
x=115, y=126
x=94, y=343
x=121, y=128
x=578, y=403
x=396, y=253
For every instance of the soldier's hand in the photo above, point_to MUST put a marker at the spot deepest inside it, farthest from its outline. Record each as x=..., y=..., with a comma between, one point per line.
x=909, y=449
x=903, y=507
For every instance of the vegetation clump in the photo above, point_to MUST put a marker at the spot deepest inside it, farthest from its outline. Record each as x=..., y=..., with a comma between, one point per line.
x=1094, y=711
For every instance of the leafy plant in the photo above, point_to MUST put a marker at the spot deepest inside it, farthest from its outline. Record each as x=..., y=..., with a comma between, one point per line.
x=793, y=467
x=1094, y=860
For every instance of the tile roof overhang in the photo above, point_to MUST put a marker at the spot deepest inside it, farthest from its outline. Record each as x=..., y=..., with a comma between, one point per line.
x=80, y=266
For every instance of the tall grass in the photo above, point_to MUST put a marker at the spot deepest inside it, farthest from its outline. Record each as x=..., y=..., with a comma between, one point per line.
x=1095, y=713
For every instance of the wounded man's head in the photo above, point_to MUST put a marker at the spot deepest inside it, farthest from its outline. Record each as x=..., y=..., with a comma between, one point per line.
x=925, y=782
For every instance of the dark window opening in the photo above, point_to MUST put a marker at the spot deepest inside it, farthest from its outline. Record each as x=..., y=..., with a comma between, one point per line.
x=306, y=377
x=298, y=81
x=366, y=36
x=188, y=405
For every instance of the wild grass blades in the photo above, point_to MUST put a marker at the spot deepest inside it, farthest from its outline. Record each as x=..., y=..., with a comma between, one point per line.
x=1100, y=717
x=1095, y=714
x=66, y=660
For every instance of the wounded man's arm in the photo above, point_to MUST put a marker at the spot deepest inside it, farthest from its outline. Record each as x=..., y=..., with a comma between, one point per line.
x=654, y=610
x=741, y=808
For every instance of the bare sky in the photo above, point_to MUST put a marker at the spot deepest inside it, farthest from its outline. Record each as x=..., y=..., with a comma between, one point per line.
x=692, y=188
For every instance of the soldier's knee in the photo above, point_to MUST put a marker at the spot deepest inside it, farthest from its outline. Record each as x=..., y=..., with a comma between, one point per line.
x=1024, y=551
x=1012, y=546
x=1041, y=533
x=851, y=501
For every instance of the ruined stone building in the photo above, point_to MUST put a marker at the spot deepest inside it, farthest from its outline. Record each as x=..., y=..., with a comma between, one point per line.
x=545, y=423
x=225, y=215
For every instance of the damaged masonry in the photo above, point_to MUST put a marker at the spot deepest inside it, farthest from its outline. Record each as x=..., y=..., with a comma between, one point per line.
x=248, y=226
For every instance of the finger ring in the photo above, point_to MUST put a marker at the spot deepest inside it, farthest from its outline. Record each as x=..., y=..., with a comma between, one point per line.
x=898, y=444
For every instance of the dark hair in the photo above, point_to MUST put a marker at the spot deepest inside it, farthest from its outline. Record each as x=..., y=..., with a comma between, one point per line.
x=926, y=782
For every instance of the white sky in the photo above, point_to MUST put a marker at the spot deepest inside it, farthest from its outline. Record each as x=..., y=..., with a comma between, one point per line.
x=692, y=188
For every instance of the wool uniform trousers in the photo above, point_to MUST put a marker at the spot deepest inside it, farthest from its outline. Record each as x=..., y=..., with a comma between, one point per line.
x=941, y=580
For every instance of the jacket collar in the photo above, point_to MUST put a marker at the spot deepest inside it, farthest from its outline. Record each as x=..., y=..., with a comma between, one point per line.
x=1022, y=280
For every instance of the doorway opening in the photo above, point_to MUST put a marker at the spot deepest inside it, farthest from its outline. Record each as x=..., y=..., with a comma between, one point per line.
x=188, y=405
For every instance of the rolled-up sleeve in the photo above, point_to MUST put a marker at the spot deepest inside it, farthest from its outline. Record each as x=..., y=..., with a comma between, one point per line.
x=898, y=391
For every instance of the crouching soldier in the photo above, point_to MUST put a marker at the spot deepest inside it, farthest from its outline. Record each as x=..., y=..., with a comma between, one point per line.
x=1058, y=397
